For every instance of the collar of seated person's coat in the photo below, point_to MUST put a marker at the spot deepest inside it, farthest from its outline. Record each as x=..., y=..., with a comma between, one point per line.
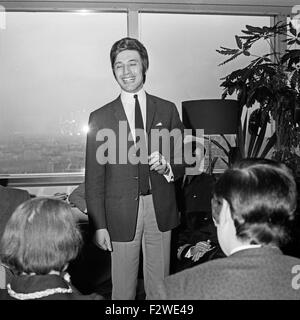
x=28, y=287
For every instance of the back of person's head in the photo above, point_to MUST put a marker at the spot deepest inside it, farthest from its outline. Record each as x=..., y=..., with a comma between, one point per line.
x=262, y=198
x=248, y=162
x=130, y=44
x=41, y=236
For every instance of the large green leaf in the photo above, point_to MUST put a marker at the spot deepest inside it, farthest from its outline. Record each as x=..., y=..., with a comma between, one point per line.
x=270, y=144
x=240, y=142
x=231, y=58
x=260, y=138
x=227, y=51
x=254, y=29
x=245, y=127
x=293, y=31
x=216, y=143
x=226, y=141
x=290, y=54
x=252, y=140
x=213, y=163
x=239, y=42
x=225, y=161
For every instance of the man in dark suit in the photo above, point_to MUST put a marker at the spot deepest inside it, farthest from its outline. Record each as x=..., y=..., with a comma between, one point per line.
x=252, y=206
x=10, y=198
x=130, y=176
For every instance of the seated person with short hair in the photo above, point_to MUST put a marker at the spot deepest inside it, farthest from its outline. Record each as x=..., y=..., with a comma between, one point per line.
x=253, y=204
x=39, y=241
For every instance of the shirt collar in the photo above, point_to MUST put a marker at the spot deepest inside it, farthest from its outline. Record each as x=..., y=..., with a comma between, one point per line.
x=128, y=96
x=244, y=247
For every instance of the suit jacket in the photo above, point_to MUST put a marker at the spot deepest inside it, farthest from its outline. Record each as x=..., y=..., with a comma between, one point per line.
x=10, y=198
x=251, y=274
x=112, y=190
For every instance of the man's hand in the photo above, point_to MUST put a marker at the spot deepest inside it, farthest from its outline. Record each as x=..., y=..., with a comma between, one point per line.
x=157, y=162
x=102, y=239
x=199, y=250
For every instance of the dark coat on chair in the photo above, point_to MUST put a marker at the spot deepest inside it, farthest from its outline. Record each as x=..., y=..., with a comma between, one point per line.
x=250, y=274
x=10, y=198
x=112, y=189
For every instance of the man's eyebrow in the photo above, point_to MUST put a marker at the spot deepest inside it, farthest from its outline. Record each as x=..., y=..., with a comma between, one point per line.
x=120, y=62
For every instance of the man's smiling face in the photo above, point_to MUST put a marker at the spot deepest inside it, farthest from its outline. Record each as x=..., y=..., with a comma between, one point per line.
x=128, y=70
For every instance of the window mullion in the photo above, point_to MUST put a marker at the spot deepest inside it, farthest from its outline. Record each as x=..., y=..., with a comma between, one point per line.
x=133, y=24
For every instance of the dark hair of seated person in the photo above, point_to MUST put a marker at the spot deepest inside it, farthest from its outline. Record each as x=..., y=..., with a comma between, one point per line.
x=262, y=196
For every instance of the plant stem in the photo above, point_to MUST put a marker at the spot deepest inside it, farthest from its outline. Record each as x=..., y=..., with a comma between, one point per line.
x=273, y=52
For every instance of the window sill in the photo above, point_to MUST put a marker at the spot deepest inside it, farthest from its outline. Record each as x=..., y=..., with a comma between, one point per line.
x=40, y=180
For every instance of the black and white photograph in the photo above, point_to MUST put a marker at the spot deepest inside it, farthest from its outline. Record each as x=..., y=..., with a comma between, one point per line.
x=149, y=153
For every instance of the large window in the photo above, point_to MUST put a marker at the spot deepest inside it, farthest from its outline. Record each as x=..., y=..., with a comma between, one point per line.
x=183, y=58
x=55, y=70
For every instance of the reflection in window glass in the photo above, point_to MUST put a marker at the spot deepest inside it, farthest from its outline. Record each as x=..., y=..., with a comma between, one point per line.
x=55, y=70
x=183, y=57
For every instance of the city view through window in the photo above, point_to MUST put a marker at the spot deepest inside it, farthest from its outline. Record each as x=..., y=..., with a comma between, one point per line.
x=55, y=70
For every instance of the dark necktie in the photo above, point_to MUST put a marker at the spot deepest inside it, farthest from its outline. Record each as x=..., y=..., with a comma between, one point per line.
x=143, y=167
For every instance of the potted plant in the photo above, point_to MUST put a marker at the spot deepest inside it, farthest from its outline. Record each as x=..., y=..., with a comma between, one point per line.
x=272, y=82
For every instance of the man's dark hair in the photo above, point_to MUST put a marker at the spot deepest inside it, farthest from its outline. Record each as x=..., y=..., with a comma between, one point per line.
x=130, y=44
x=262, y=196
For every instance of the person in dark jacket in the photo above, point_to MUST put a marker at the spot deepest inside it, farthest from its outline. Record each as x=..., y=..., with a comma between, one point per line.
x=197, y=240
x=253, y=204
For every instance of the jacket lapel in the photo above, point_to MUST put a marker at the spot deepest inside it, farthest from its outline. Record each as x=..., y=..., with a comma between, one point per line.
x=119, y=110
x=151, y=109
x=121, y=115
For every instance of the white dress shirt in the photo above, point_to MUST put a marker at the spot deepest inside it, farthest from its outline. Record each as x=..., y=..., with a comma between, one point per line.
x=128, y=102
